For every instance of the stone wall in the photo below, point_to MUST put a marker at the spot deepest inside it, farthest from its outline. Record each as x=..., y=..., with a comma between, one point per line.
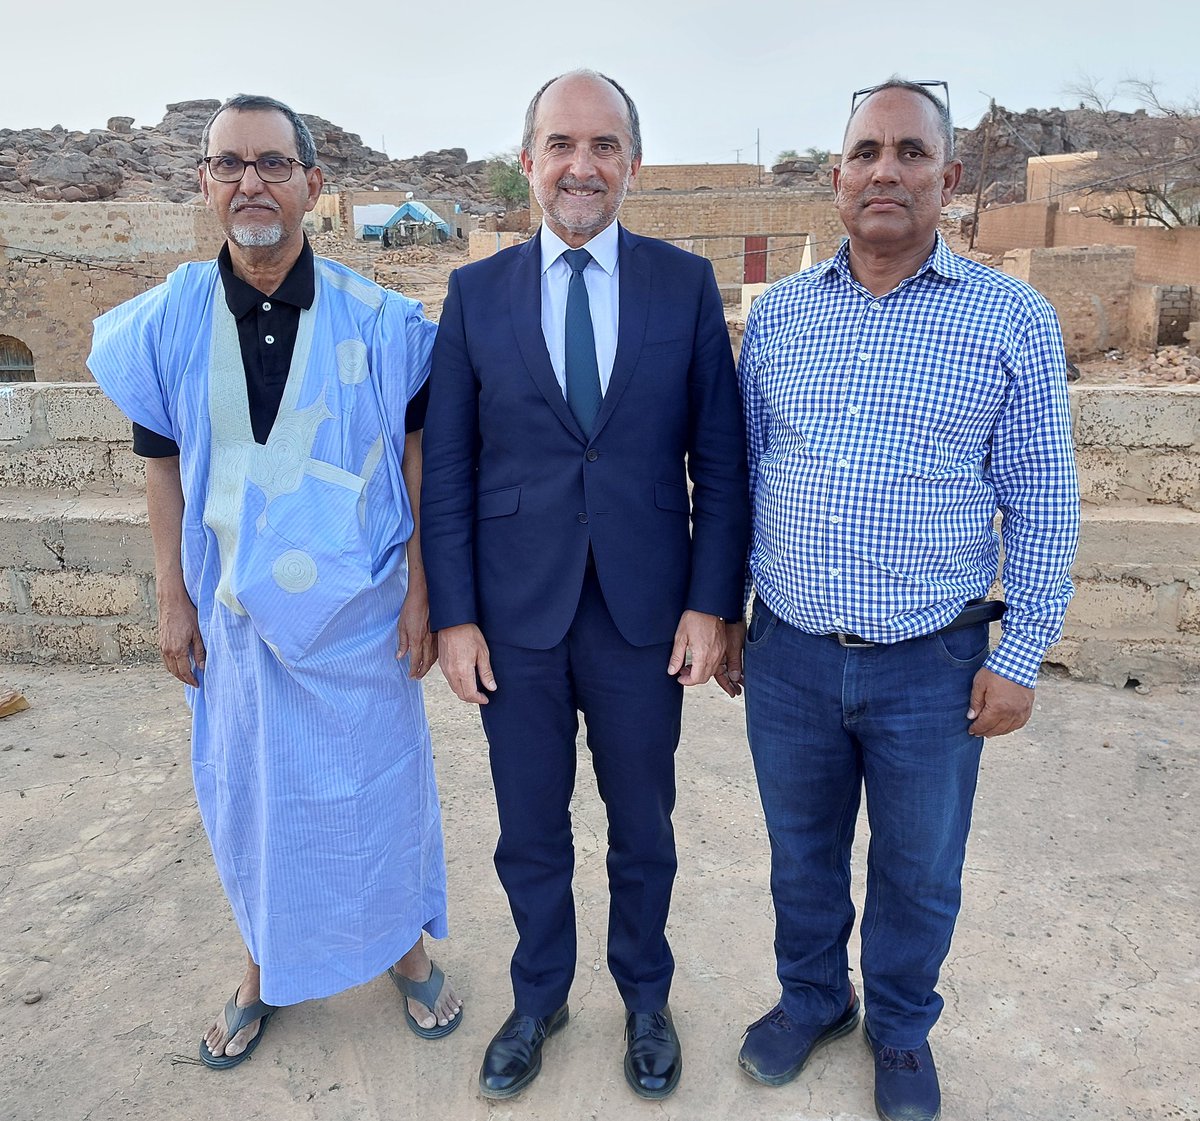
x=1162, y=256
x=76, y=560
x=690, y=176
x=1136, y=612
x=76, y=565
x=65, y=264
x=1089, y=288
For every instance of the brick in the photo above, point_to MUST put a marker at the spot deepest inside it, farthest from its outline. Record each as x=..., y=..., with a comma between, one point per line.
x=82, y=412
x=56, y=467
x=95, y=595
x=1139, y=417
x=59, y=642
x=138, y=641
x=16, y=411
x=1128, y=605
x=128, y=469
x=112, y=542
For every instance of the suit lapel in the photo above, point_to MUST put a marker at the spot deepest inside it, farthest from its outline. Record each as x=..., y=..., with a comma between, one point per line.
x=525, y=304
x=633, y=304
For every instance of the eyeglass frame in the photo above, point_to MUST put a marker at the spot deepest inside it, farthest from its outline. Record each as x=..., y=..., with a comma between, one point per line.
x=292, y=163
x=927, y=82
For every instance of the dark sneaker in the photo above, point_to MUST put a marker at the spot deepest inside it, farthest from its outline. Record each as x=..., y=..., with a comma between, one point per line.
x=906, y=1083
x=776, y=1047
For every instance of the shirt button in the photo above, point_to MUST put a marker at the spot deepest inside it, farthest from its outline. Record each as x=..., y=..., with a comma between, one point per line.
x=592, y=455
x=267, y=305
x=270, y=338
x=835, y=519
x=853, y=410
x=843, y=463
x=839, y=624
x=835, y=572
x=863, y=356
x=876, y=306
x=581, y=519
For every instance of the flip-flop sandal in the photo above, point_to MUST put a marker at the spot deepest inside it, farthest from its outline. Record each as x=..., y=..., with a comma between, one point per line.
x=425, y=992
x=235, y=1019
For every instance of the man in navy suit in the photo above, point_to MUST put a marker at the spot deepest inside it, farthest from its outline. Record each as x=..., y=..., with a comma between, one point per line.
x=578, y=381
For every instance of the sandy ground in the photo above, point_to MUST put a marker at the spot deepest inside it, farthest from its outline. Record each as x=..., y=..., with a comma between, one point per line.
x=1071, y=991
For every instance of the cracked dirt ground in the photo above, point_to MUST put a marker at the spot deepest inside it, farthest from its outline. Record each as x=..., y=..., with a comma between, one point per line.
x=1071, y=991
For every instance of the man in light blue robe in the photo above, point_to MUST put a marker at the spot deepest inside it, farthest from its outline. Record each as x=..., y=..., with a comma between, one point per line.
x=291, y=597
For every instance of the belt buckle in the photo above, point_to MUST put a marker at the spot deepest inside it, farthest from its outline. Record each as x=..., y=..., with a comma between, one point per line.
x=852, y=641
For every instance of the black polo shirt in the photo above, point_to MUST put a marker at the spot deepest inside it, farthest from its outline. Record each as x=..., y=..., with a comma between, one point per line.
x=267, y=328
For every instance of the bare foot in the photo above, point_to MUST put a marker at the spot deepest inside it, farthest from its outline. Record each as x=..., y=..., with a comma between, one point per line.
x=416, y=966
x=216, y=1039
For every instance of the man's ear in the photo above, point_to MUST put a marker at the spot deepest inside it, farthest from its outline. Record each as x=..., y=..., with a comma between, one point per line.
x=951, y=174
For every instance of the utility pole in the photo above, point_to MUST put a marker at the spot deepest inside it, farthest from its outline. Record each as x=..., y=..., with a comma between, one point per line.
x=987, y=143
x=758, y=155
x=737, y=155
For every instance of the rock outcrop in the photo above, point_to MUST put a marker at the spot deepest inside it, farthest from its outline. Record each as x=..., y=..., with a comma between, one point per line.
x=122, y=161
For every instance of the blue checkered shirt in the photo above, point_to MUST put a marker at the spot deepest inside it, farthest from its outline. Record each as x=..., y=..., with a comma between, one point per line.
x=884, y=434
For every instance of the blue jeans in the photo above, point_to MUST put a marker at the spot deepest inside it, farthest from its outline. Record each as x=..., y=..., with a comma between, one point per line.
x=823, y=721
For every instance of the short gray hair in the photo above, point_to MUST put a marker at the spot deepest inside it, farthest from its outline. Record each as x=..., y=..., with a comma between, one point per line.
x=635, y=124
x=306, y=148
x=945, y=124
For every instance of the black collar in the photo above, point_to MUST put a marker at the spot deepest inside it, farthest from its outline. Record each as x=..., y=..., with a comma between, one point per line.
x=299, y=287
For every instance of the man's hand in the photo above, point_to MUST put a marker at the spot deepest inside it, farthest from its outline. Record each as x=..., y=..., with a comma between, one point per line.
x=704, y=637
x=413, y=636
x=179, y=636
x=729, y=676
x=466, y=663
x=998, y=705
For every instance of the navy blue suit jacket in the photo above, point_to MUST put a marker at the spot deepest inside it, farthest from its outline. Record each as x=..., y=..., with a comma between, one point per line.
x=514, y=492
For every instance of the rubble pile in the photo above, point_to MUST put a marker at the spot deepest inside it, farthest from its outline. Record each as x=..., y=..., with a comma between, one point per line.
x=159, y=162
x=1173, y=364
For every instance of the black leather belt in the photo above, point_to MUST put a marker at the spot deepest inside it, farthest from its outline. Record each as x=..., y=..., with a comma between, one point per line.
x=977, y=611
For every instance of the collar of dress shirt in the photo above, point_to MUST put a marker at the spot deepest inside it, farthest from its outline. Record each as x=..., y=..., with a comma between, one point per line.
x=603, y=247
x=942, y=261
x=299, y=287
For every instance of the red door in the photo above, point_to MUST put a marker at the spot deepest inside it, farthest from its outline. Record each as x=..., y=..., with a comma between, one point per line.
x=754, y=261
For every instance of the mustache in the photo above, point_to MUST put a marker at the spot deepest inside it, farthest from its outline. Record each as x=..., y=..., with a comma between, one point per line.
x=569, y=182
x=240, y=202
x=893, y=196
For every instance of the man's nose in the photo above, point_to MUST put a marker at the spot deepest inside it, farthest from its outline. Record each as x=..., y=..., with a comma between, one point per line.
x=886, y=167
x=251, y=183
x=583, y=162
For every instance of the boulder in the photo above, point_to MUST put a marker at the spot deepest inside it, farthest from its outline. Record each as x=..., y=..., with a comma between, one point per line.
x=96, y=178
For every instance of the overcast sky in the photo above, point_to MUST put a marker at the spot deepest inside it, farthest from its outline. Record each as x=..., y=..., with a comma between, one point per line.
x=417, y=76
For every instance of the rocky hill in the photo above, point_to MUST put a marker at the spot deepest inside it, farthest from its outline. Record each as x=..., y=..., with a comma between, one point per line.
x=1035, y=132
x=159, y=162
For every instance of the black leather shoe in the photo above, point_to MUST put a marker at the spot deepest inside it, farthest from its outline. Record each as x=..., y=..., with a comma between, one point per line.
x=653, y=1060
x=514, y=1056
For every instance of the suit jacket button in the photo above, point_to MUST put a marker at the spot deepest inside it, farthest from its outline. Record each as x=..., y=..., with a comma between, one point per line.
x=581, y=519
x=592, y=455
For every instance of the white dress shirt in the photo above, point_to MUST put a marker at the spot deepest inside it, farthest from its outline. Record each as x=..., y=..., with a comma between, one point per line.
x=601, y=279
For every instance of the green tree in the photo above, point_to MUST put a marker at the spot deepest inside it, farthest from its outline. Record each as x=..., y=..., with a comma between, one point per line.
x=817, y=155
x=506, y=180
x=787, y=154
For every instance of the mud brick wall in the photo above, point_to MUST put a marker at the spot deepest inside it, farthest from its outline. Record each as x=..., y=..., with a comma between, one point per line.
x=1162, y=256
x=66, y=263
x=689, y=176
x=1089, y=288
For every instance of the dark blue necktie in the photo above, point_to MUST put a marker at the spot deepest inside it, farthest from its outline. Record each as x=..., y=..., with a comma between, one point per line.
x=582, y=370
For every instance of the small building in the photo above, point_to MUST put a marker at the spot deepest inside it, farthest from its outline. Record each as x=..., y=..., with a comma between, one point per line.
x=412, y=223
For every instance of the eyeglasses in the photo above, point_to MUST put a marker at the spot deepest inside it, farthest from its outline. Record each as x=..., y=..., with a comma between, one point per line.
x=270, y=169
x=860, y=95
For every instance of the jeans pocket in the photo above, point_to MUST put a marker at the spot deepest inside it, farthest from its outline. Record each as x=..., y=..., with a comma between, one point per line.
x=762, y=623
x=965, y=646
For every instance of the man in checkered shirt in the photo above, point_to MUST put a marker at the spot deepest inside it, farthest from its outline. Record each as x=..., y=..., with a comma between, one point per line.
x=896, y=396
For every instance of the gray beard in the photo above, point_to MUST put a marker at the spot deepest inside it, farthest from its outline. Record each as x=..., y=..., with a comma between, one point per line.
x=257, y=237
